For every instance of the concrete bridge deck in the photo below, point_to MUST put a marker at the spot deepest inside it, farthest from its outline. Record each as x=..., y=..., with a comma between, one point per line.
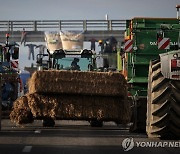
x=98, y=29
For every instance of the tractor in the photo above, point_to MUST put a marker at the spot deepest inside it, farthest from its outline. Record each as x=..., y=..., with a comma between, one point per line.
x=151, y=65
x=10, y=81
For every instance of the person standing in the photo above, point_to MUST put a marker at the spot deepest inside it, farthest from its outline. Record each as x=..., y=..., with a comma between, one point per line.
x=113, y=44
x=93, y=44
x=41, y=48
x=101, y=44
x=23, y=37
x=31, y=50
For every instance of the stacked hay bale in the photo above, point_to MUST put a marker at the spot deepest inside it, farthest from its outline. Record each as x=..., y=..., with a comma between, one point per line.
x=76, y=95
x=21, y=113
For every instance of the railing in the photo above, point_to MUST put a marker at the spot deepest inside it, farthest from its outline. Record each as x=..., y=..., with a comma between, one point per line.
x=42, y=25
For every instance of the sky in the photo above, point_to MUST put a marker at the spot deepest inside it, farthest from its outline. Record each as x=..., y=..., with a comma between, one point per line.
x=82, y=10
x=85, y=9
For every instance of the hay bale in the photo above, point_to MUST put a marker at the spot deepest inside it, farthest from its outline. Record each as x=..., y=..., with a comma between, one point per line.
x=76, y=82
x=73, y=107
x=21, y=113
x=43, y=105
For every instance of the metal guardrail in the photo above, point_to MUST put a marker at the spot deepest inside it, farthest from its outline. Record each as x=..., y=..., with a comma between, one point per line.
x=42, y=25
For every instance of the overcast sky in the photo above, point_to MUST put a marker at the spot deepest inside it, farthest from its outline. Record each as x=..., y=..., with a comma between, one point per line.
x=83, y=9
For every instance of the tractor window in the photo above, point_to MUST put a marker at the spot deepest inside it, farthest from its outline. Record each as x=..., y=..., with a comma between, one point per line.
x=80, y=64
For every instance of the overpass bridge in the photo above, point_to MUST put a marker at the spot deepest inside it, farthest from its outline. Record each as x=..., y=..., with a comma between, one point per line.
x=98, y=29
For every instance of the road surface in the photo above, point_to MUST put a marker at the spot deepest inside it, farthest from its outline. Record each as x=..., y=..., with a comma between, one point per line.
x=75, y=138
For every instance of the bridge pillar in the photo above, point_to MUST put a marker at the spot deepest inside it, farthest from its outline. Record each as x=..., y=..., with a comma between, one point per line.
x=85, y=25
x=35, y=26
x=109, y=24
x=11, y=23
x=59, y=24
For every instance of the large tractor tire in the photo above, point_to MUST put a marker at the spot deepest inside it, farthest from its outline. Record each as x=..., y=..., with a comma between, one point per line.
x=163, y=105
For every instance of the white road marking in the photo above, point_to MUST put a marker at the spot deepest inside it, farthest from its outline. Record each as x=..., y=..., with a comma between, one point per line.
x=27, y=149
x=37, y=131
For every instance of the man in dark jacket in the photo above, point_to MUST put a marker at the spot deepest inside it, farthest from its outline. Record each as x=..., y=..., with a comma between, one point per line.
x=74, y=65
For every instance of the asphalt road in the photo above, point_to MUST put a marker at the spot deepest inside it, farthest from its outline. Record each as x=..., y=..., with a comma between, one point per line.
x=76, y=138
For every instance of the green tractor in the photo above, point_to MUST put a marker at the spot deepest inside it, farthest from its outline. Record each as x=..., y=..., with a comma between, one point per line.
x=154, y=89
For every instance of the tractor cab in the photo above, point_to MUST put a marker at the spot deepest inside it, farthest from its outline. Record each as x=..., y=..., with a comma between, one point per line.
x=65, y=52
x=67, y=60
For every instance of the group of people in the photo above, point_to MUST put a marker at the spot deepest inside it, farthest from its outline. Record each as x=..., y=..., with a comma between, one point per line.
x=31, y=47
x=107, y=46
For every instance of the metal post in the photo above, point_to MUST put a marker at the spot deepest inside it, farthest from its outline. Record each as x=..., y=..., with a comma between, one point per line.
x=8, y=26
x=177, y=13
x=106, y=17
x=177, y=7
x=11, y=25
x=85, y=25
x=35, y=25
x=59, y=24
x=109, y=24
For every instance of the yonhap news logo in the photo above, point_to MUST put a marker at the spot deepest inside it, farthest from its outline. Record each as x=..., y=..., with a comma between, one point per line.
x=129, y=143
